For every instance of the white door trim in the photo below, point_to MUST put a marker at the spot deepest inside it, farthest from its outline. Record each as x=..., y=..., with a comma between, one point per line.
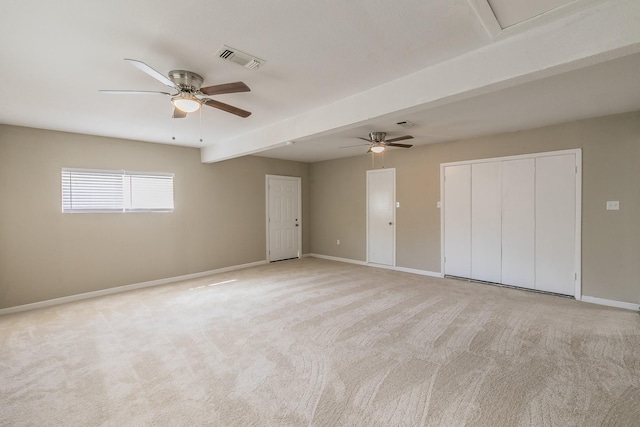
x=578, y=208
x=266, y=186
x=394, y=212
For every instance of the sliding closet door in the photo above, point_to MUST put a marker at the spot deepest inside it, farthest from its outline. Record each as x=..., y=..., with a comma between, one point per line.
x=513, y=220
x=457, y=220
x=555, y=223
x=486, y=223
x=518, y=223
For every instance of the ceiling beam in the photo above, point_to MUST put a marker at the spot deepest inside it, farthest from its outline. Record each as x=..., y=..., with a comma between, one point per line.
x=485, y=14
x=600, y=33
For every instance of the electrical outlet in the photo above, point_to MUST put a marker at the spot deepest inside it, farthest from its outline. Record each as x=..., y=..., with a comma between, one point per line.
x=338, y=242
x=613, y=205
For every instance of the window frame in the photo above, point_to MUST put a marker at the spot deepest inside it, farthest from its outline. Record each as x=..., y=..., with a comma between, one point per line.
x=125, y=176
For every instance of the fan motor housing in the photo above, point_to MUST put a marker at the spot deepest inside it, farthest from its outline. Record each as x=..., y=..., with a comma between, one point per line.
x=377, y=136
x=187, y=80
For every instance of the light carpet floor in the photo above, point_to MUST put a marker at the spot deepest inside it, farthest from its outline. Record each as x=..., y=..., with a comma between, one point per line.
x=313, y=342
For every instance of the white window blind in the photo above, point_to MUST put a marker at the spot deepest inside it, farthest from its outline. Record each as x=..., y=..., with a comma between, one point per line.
x=115, y=191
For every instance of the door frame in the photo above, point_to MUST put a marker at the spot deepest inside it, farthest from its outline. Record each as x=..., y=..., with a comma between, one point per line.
x=266, y=214
x=578, y=208
x=371, y=171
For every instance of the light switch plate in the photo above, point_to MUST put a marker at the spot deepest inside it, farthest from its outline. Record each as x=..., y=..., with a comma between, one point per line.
x=613, y=205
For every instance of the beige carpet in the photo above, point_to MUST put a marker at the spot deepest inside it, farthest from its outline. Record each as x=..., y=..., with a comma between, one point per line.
x=321, y=343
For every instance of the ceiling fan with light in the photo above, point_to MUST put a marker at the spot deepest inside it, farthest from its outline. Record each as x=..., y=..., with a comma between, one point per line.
x=378, y=142
x=189, y=95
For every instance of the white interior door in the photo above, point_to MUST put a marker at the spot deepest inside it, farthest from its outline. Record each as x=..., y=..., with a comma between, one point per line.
x=381, y=216
x=518, y=223
x=486, y=222
x=555, y=223
x=457, y=220
x=283, y=217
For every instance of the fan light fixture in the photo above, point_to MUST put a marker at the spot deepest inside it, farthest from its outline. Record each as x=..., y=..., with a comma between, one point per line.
x=186, y=103
x=377, y=148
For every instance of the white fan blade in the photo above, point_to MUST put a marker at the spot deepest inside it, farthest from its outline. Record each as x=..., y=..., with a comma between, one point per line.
x=133, y=92
x=153, y=73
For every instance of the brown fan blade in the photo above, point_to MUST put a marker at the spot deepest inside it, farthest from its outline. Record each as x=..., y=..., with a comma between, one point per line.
x=226, y=107
x=365, y=139
x=225, y=88
x=391, y=144
x=400, y=138
x=178, y=114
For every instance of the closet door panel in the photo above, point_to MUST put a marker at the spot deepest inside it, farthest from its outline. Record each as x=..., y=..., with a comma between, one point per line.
x=486, y=227
x=555, y=223
x=457, y=220
x=518, y=223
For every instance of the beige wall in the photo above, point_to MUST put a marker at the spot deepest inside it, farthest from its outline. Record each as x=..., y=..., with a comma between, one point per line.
x=610, y=239
x=219, y=217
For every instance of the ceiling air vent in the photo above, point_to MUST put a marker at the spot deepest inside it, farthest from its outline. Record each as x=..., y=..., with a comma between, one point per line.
x=406, y=124
x=244, y=59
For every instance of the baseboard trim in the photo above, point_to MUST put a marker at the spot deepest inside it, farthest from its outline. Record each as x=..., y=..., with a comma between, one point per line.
x=611, y=303
x=388, y=267
x=410, y=270
x=125, y=288
x=335, y=258
x=407, y=270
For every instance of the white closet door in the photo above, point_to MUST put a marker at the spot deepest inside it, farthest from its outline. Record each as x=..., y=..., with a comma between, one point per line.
x=518, y=223
x=486, y=223
x=457, y=220
x=555, y=223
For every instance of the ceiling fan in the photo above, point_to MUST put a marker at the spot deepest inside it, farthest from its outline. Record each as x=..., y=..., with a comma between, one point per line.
x=189, y=95
x=378, y=142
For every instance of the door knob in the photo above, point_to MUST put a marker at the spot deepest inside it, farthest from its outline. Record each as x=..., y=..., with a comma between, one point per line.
x=390, y=223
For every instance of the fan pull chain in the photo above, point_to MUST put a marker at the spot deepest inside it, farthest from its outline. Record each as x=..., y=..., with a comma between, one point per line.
x=373, y=159
x=200, y=114
x=173, y=129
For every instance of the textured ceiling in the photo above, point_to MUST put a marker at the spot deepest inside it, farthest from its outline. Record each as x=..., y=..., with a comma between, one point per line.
x=57, y=55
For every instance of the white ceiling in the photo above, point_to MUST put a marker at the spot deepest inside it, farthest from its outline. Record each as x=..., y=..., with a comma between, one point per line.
x=511, y=12
x=334, y=70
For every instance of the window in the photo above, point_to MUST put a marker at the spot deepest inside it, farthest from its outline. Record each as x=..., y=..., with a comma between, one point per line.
x=86, y=190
